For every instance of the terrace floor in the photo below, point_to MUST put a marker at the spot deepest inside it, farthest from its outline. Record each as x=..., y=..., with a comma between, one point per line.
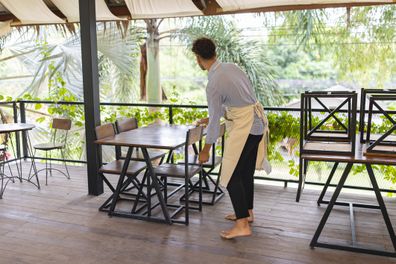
x=61, y=224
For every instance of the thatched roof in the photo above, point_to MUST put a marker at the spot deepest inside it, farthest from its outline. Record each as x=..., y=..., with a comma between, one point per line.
x=61, y=11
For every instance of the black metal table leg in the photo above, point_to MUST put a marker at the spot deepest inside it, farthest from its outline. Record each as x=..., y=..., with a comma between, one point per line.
x=382, y=205
x=121, y=180
x=154, y=182
x=337, y=191
x=322, y=194
x=333, y=201
x=300, y=180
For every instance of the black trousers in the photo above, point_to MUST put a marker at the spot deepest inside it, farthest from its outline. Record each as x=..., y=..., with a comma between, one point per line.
x=241, y=185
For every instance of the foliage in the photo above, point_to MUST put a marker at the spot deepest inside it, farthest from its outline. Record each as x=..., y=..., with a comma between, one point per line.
x=361, y=41
x=231, y=47
x=117, y=58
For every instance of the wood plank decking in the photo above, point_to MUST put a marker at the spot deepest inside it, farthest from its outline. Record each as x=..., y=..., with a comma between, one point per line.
x=61, y=224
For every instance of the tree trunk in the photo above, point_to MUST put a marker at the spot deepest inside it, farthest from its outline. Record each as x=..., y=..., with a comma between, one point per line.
x=143, y=71
x=153, y=84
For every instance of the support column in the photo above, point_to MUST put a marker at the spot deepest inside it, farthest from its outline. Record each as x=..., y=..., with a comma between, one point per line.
x=91, y=92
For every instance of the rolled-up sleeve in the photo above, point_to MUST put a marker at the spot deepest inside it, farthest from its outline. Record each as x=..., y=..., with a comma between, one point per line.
x=216, y=111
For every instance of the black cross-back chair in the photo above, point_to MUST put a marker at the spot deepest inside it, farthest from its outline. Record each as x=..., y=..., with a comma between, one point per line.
x=215, y=193
x=184, y=172
x=384, y=143
x=157, y=156
x=58, y=125
x=128, y=124
x=318, y=132
x=115, y=168
x=364, y=97
x=317, y=141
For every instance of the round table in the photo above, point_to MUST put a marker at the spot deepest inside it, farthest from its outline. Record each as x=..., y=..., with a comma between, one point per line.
x=16, y=128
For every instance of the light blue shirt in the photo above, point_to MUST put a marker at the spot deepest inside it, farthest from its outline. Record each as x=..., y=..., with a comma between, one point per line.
x=228, y=86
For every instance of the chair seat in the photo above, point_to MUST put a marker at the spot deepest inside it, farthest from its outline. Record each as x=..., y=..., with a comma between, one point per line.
x=154, y=154
x=115, y=167
x=49, y=146
x=193, y=160
x=176, y=170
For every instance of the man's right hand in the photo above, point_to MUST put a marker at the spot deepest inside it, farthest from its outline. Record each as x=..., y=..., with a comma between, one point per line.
x=203, y=121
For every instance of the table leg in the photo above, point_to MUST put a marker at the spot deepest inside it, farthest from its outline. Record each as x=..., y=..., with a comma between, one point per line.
x=322, y=194
x=381, y=204
x=17, y=162
x=300, y=180
x=30, y=153
x=333, y=200
x=121, y=180
x=156, y=186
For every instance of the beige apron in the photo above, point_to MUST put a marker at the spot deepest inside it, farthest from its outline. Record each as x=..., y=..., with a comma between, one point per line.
x=239, y=121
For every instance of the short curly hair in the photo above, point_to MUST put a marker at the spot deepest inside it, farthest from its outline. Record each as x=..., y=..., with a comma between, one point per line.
x=204, y=47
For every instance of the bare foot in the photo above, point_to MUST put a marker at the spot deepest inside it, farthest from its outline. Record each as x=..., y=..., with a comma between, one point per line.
x=232, y=217
x=240, y=229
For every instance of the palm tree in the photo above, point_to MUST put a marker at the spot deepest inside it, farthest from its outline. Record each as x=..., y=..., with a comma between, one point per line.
x=231, y=47
x=118, y=60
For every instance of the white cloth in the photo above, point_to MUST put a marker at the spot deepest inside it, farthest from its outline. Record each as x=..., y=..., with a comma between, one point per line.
x=161, y=8
x=5, y=28
x=70, y=9
x=232, y=5
x=31, y=11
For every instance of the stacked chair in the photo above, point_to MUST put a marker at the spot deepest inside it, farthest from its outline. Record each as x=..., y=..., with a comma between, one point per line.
x=378, y=143
x=316, y=137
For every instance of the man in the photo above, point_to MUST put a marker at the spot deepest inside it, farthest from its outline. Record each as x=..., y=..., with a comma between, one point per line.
x=230, y=94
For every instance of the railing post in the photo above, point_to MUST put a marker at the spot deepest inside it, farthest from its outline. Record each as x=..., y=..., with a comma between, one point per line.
x=22, y=109
x=17, y=136
x=170, y=115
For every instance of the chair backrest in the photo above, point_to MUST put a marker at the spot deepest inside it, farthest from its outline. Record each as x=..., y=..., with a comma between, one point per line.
x=126, y=124
x=104, y=131
x=328, y=117
x=364, y=105
x=194, y=135
x=385, y=141
x=61, y=123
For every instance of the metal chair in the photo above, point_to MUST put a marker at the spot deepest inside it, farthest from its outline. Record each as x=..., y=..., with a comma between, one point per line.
x=128, y=124
x=317, y=139
x=183, y=171
x=207, y=170
x=364, y=94
x=58, y=124
x=5, y=179
x=115, y=168
x=383, y=144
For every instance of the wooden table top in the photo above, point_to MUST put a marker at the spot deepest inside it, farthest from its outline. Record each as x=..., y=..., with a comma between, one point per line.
x=15, y=127
x=152, y=136
x=359, y=157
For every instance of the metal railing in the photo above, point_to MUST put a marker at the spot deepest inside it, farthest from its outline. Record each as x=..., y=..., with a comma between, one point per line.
x=19, y=109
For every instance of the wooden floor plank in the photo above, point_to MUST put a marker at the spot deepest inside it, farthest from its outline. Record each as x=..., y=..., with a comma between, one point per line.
x=61, y=224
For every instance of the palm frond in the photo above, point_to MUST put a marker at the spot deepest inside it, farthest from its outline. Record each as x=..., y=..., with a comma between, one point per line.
x=231, y=47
